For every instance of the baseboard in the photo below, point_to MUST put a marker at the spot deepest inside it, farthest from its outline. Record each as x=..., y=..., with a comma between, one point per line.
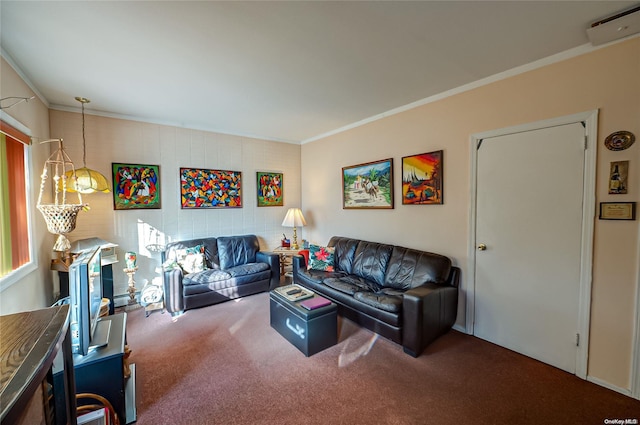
x=607, y=385
x=122, y=300
x=460, y=328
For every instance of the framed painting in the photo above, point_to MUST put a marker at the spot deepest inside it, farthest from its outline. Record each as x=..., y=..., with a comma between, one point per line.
x=618, y=177
x=135, y=186
x=368, y=185
x=202, y=188
x=269, y=189
x=422, y=179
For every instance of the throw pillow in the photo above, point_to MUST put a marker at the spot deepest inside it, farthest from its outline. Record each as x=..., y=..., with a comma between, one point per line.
x=191, y=260
x=321, y=258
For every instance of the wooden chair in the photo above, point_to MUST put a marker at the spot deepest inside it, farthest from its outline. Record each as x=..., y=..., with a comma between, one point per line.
x=103, y=403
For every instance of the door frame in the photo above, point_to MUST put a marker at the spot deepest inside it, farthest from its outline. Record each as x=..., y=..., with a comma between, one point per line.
x=590, y=120
x=635, y=360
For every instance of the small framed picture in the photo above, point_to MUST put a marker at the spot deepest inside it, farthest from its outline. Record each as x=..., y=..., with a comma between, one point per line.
x=618, y=174
x=135, y=186
x=269, y=189
x=617, y=210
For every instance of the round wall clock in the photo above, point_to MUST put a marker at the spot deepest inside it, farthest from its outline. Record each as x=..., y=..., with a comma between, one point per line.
x=619, y=141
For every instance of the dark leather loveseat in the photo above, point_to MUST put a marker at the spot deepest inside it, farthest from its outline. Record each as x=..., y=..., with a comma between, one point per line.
x=405, y=295
x=234, y=267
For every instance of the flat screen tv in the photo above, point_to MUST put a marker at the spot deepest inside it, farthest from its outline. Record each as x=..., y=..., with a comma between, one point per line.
x=85, y=296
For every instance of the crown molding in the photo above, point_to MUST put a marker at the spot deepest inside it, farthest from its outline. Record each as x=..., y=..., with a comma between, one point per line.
x=549, y=60
x=12, y=63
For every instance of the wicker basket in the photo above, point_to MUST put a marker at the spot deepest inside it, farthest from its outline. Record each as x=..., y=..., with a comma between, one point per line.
x=60, y=219
x=60, y=216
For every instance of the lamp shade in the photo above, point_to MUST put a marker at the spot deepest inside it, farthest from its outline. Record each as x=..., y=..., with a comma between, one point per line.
x=87, y=181
x=294, y=218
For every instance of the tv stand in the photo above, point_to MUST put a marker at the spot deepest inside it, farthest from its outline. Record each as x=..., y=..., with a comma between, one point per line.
x=102, y=371
x=101, y=333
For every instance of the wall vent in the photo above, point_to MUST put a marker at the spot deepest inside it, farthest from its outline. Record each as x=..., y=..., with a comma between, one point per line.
x=615, y=27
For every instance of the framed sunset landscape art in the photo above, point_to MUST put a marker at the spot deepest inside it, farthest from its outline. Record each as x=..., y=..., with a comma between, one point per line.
x=422, y=179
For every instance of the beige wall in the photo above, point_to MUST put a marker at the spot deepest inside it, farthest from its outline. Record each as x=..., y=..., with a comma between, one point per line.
x=115, y=140
x=607, y=79
x=35, y=290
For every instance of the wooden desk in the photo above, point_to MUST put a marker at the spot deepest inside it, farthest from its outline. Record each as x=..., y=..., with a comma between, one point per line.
x=29, y=343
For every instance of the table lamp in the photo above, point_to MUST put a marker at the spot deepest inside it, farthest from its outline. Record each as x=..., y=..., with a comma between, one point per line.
x=294, y=218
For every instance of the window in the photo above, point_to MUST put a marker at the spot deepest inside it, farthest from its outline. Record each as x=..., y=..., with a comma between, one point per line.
x=15, y=249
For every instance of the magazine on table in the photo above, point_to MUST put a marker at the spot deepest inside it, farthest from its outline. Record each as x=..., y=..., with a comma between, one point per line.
x=294, y=292
x=315, y=302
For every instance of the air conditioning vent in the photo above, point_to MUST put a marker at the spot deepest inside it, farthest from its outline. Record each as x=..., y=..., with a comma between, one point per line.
x=615, y=27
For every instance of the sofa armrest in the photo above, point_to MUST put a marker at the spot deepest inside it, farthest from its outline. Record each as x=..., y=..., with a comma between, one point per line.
x=173, y=295
x=274, y=264
x=428, y=311
x=298, y=262
x=454, y=277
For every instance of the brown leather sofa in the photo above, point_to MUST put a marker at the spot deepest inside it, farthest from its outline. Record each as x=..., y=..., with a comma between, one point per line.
x=234, y=267
x=405, y=295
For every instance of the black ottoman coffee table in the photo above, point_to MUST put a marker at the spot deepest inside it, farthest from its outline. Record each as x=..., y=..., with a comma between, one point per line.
x=310, y=331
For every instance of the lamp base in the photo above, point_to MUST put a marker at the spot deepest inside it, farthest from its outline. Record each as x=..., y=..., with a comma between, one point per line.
x=295, y=245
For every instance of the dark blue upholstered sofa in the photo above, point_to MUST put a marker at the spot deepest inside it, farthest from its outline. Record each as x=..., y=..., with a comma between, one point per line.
x=235, y=267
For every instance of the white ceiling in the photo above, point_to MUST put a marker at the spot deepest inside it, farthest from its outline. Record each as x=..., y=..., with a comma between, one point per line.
x=287, y=71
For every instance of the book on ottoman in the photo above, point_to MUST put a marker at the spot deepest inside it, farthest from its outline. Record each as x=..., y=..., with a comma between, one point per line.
x=315, y=302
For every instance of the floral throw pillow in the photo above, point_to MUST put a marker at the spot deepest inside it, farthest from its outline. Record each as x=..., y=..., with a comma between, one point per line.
x=321, y=258
x=191, y=260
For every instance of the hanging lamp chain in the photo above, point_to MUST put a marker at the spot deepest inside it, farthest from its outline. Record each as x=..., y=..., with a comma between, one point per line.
x=84, y=142
x=83, y=100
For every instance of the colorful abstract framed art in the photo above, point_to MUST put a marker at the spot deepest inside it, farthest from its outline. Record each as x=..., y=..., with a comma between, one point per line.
x=368, y=186
x=203, y=188
x=269, y=189
x=422, y=179
x=135, y=186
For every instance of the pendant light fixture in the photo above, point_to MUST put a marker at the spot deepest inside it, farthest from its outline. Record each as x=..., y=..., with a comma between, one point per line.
x=86, y=180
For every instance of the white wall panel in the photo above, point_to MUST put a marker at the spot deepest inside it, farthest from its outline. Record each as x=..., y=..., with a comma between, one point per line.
x=114, y=140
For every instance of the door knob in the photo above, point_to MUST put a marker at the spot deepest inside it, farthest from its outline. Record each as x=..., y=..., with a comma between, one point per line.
x=482, y=247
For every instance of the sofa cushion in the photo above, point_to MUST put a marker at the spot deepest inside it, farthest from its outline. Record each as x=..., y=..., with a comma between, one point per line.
x=321, y=258
x=391, y=318
x=391, y=303
x=345, y=249
x=371, y=260
x=237, y=250
x=206, y=276
x=191, y=260
x=409, y=268
x=210, y=250
x=317, y=277
x=247, y=269
x=351, y=284
x=342, y=286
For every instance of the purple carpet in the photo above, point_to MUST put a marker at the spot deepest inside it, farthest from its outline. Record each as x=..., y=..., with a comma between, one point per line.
x=224, y=364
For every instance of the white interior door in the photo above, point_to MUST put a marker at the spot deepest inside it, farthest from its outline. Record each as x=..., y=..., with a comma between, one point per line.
x=529, y=216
